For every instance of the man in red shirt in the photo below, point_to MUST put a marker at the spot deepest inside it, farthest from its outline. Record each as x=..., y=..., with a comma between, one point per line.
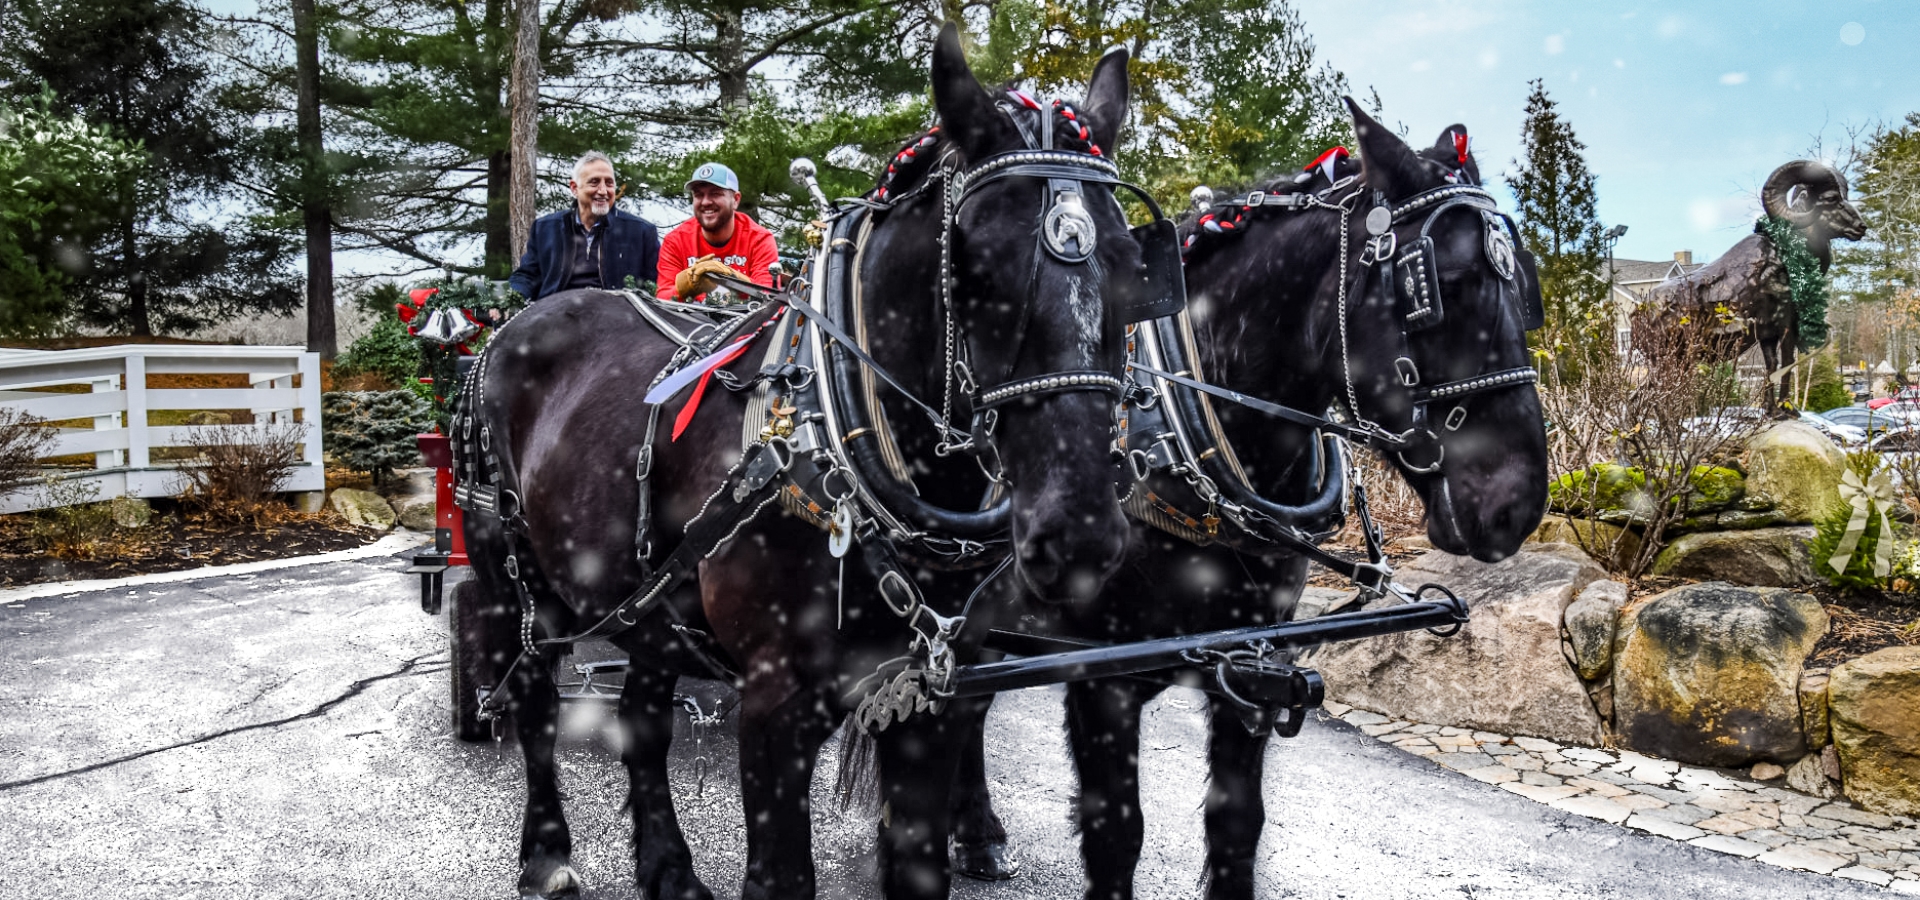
x=718, y=234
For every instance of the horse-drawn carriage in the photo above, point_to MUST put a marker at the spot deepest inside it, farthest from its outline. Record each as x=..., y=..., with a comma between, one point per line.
x=987, y=389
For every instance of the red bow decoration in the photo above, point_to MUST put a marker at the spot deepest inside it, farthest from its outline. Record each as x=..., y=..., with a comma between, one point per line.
x=419, y=296
x=1460, y=145
x=1327, y=162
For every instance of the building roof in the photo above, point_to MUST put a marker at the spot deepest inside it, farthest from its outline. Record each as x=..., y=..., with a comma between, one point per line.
x=1639, y=271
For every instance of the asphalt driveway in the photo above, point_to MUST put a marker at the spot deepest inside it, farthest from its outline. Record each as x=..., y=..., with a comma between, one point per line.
x=283, y=734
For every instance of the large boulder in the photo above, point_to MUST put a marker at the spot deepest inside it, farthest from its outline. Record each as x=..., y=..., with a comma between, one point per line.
x=1874, y=706
x=1503, y=672
x=1590, y=622
x=363, y=508
x=1602, y=540
x=1795, y=469
x=1766, y=557
x=1601, y=487
x=418, y=514
x=1709, y=673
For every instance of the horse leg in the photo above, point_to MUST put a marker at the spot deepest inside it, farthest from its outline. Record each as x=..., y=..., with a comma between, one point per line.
x=663, y=866
x=1103, y=728
x=979, y=840
x=779, y=743
x=1235, y=810
x=918, y=762
x=546, y=845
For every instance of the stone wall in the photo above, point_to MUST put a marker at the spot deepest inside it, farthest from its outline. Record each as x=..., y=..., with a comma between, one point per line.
x=1708, y=674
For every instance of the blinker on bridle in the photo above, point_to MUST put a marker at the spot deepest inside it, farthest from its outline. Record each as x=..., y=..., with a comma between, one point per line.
x=1068, y=234
x=1412, y=274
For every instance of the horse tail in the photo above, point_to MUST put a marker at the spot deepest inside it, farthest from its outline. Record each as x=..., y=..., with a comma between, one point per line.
x=858, y=782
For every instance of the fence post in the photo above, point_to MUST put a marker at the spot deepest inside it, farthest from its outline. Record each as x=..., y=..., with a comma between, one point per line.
x=139, y=439
x=309, y=412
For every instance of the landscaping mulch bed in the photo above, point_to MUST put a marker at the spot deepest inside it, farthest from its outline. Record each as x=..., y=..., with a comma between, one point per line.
x=1865, y=621
x=172, y=543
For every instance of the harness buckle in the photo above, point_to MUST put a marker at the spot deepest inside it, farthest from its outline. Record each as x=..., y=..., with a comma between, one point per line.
x=1380, y=248
x=1409, y=373
x=1256, y=198
x=1456, y=418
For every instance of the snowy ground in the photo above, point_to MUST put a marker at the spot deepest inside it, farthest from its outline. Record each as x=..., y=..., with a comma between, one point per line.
x=283, y=734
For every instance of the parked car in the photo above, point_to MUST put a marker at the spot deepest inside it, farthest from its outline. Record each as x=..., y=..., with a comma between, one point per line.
x=1845, y=435
x=1874, y=422
x=1727, y=420
x=1899, y=439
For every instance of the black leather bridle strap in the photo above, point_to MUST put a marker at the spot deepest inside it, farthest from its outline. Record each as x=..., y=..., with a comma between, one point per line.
x=1375, y=436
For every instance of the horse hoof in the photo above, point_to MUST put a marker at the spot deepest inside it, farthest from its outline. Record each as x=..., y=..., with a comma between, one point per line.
x=986, y=862
x=549, y=880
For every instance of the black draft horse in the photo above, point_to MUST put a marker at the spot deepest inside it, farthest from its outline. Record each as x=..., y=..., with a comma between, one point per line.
x=1265, y=309
x=560, y=390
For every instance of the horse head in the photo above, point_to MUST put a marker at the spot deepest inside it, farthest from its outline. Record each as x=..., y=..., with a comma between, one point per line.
x=1812, y=196
x=1020, y=240
x=1440, y=268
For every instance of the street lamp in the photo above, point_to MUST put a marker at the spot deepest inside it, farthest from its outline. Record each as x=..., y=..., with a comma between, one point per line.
x=1612, y=236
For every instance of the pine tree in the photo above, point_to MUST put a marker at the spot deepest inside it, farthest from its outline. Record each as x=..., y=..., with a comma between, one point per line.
x=131, y=65
x=61, y=179
x=1560, y=225
x=1883, y=269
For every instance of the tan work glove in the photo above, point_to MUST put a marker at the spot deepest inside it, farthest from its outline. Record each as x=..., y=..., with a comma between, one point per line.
x=697, y=279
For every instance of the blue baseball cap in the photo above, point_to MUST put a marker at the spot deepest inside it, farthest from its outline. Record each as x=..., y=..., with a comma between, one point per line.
x=715, y=174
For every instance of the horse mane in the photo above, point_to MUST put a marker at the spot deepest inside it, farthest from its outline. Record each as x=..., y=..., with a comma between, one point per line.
x=910, y=165
x=1205, y=231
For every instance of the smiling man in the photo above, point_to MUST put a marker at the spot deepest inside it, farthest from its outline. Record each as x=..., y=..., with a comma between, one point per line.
x=592, y=245
x=717, y=235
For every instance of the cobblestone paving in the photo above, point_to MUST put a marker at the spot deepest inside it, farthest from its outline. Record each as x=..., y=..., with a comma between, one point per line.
x=1704, y=807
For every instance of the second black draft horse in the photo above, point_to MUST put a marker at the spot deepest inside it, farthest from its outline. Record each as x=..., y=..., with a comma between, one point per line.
x=559, y=395
x=1266, y=294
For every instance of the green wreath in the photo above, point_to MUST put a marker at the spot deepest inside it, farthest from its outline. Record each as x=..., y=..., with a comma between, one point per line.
x=1806, y=284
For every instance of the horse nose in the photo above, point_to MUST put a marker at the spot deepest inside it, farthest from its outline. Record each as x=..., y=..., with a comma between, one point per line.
x=1069, y=567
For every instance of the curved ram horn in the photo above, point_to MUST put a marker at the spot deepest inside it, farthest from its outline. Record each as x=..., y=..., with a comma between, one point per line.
x=1789, y=191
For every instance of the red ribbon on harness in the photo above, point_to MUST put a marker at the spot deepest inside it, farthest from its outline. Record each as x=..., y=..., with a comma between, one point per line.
x=707, y=367
x=685, y=418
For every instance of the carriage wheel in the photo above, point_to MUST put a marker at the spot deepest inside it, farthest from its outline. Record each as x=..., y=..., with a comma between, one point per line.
x=470, y=671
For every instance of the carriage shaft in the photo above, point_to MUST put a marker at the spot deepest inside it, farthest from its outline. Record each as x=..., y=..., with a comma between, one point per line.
x=1077, y=661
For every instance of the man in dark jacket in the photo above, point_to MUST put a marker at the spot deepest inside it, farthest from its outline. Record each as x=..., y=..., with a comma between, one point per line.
x=593, y=245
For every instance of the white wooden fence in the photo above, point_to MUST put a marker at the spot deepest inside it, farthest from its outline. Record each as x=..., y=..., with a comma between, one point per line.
x=122, y=441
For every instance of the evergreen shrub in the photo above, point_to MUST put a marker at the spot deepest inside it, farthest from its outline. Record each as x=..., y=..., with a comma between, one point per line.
x=374, y=431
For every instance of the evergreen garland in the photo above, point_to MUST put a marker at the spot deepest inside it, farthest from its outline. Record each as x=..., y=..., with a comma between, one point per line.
x=1806, y=284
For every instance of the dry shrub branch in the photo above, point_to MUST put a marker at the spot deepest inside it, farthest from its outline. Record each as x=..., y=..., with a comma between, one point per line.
x=241, y=469
x=1634, y=436
x=24, y=439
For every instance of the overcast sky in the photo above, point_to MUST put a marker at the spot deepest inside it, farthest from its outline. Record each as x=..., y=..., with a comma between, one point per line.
x=1684, y=107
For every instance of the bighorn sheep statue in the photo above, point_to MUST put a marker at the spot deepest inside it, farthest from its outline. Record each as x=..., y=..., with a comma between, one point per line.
x=1755, y=282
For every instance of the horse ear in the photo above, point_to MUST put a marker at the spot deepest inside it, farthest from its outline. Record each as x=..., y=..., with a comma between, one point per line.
x=1107, y=99
x=1386, y=161
x=966, y=112
x=1454, y=149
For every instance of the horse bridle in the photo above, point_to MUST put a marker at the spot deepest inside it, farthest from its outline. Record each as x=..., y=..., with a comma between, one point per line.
x=1068, y=234
x=1412, y=274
